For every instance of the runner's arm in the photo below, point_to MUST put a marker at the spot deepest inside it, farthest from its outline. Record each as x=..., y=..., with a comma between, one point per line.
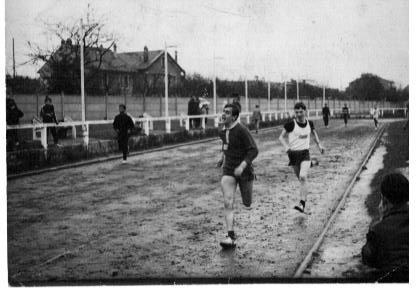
x=283, y=141
x=221, y=161
x=316, y=139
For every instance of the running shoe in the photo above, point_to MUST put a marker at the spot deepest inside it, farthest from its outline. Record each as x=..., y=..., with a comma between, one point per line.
x=300, y=207
x=228, y=243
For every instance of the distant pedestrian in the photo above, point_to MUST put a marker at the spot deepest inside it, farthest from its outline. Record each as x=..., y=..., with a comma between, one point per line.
x=192, y=110
x=197, y=112
x=387, y=246
x=375, y=113
x=257, y=118
x=47, y=113
x=123, y=125
x=326, y=113
x=345, y=114
x=13, y=114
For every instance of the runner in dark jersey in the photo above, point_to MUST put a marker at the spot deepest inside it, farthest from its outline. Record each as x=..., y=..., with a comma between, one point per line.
x=238, y=152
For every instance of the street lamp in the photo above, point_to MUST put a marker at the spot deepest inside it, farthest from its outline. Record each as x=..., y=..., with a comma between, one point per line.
x=215, y=86
x=166, y=78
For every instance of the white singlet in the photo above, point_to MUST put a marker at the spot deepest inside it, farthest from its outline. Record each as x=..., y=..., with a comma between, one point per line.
x=299, y=138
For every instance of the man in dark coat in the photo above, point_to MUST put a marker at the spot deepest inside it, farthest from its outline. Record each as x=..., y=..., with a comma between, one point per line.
x=123, y=124
x=13, y=114
x=47, y=113
x=387, y=246
x=325, y=114
x=192, y=110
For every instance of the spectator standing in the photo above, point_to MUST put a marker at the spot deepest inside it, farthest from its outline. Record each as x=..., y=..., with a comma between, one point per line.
x=47, y=113
x=192, y=110
x=13, y=114
x=326, y=113
x=345, y=114
x=197, y=112
x=257, y=118
x=375, y=113
x=123, y=124
x=387, y=246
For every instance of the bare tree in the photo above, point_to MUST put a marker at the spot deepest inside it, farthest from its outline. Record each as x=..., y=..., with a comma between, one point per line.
x=61, y=69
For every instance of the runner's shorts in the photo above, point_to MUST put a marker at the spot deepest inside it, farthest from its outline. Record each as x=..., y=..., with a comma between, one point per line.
x=247, y=175
x=296, y=157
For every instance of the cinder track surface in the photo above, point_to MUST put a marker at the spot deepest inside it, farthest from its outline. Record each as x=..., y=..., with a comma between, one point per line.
x=160, y=216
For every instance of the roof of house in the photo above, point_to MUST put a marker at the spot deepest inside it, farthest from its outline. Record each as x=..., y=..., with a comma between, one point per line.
x=123, y=62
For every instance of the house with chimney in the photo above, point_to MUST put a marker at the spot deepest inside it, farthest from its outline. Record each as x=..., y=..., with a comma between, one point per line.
x=110, y=72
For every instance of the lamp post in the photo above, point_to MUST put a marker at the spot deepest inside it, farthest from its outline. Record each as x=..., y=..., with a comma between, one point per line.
x=215, y=85
x=84, y=126
x=167, y=79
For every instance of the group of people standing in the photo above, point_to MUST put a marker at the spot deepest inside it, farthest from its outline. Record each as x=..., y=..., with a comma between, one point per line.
x=345, y=112
x=196, y=106
x=13, y=115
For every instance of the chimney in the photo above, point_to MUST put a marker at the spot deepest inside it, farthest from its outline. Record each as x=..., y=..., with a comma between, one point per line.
x=176, y=56
x=145, y=54
x=115, y=49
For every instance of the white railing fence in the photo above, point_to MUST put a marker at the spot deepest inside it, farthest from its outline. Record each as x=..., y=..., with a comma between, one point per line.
x=39, y=130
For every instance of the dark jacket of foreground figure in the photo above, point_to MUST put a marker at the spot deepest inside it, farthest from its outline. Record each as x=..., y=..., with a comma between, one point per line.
x=387, y=246
x=122, y=123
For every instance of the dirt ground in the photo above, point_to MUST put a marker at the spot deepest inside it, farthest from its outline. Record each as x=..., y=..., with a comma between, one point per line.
x=160, y=216
x=340, y=253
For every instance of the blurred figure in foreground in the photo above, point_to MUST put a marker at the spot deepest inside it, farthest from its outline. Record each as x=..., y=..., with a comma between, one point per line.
x=387, y=247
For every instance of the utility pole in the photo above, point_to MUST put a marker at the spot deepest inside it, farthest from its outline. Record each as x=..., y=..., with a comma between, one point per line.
x=14, y=63
x=268, y=95
x=246, y=93
x=285, y=97
x=215, y=90
x=166, y=81
x=297, y=90
x=85, y=135
x=82, y=75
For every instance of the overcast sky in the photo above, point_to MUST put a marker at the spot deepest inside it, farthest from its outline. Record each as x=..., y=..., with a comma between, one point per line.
x=331, y=42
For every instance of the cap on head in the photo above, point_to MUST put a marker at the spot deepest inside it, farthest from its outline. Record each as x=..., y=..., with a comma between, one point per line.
x=395, y=187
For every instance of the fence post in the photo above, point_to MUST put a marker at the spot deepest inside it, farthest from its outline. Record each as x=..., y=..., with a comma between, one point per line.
x=106, y=105
x=44, y=137
x=74, y=132
x=85, y=134
x=216, y=121
x=147, y=127
x=187, y=123
x=168, y=125
x=62, y=105
x=161, y=106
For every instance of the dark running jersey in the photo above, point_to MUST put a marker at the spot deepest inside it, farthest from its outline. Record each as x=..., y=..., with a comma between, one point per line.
x=239, y=146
